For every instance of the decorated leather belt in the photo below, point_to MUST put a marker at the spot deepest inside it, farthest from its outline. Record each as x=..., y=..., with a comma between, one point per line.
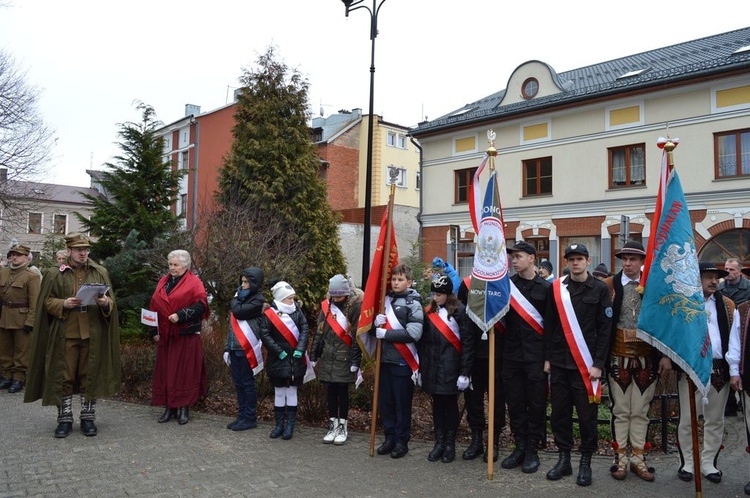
x=627, y=344
x=80, y=309
x=15, y=305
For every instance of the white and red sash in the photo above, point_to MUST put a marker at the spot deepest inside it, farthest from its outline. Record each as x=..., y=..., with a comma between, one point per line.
x=287, y=328
x=447, y=326
x=574, y=337
x=526, y=310
x=337, y=321
x=249, y=341
x=407, y=350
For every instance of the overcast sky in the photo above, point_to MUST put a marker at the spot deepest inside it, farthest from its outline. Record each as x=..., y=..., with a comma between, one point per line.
x=91, y=60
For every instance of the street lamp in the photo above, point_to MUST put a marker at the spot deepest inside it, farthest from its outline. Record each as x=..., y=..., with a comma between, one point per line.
x=352, y=5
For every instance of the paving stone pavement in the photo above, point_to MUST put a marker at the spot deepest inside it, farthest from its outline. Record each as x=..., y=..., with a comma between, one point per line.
x=133, y=455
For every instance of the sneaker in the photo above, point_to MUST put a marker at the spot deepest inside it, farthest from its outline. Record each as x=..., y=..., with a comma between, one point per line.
x=332, y=430
x=342, y=433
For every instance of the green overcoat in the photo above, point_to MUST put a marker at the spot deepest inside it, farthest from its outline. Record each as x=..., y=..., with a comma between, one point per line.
x=44, y=378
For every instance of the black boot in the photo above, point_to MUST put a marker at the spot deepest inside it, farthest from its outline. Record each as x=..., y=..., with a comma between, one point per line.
x=561, y=468
x=64, y=417
x=88, y=415
x=278, y=413
x=495, y=447
x=450, y=447
x=475, y=446
x=291, y=419
x=387, y=446
x=516, y=457
x=439, y=448
x=584, y=470
x=167, y=415
x=182, y=415
x=531, y=460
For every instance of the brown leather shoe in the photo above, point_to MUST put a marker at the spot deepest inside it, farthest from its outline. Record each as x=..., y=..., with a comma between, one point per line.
x=619, y=468
x=639, y=468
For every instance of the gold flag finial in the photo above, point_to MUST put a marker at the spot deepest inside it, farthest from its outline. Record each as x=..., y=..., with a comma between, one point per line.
x=491, y=150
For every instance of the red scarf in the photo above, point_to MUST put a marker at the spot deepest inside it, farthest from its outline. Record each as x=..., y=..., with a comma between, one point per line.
x=188, y=291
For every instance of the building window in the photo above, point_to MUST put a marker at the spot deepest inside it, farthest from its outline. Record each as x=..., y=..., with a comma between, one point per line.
x=185, y=160
x=399, y=175
x=462, y=181
x=530, y=88
x=401, y=141
x=35, y=222
x=465, y=255
x=419, y=181
x=627, y=166
x=537, y=177
x=391, y=139
x=732, y=153
x=60, y=224
x=183, y=204
x=730, y=244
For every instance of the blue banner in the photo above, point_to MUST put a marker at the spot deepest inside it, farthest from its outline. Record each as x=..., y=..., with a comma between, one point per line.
x=673, y=318
x=489, y=292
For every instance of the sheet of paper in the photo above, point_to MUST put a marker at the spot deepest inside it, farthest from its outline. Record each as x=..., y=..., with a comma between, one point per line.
x=88, y=292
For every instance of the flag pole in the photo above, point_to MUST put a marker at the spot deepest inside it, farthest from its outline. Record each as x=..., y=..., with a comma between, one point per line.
x=694, y=427
x=492, y=153
x=385, y=275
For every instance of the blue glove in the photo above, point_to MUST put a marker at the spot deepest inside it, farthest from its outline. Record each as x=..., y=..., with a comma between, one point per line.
x=297, y=354
x=282, y=355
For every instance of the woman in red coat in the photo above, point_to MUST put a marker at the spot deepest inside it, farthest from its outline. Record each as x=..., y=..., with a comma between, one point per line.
x=180, y=370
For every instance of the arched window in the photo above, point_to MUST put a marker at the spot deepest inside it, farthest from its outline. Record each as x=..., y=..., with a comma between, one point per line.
x=729, y=244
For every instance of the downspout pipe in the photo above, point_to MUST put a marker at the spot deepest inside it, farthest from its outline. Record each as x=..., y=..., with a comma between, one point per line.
x=421, y=180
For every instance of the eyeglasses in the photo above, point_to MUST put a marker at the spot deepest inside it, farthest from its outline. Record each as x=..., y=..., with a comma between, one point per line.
x=80, y=249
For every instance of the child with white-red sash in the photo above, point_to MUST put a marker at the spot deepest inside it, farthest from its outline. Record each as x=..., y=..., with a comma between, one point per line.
x=446, y=352
x=336, y=354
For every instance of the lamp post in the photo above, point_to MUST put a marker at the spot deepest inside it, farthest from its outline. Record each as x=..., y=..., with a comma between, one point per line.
x=352, y=5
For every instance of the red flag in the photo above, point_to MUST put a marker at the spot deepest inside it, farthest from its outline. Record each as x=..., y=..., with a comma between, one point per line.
x=664, y=175
x=371, y=303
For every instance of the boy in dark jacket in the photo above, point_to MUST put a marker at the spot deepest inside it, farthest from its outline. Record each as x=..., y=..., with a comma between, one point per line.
x=242, y=352
x=399, y=329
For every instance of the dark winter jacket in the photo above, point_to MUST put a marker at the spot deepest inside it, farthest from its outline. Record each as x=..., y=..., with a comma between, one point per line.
x=333, y=356
x=440, y=363
x=521, y=343
x=593, y=309
x=290, y=371
x=250, y=309
x=408, y=309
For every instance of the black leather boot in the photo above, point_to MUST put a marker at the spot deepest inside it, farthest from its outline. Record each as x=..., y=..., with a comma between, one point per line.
x=167, y=415
x=182, y=415
x=475, y=446
x=439, y=448
x=584, y=470
x=278, y=413
x=64, y=417
x=88, y=415
x=450, y=447
x=531, y=460
x=562, y=467
x=291, y=420
x=387, y=446
x=516, y=457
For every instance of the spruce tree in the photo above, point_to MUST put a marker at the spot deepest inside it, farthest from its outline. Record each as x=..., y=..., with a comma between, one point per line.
x=141, y=187
x=273, y=168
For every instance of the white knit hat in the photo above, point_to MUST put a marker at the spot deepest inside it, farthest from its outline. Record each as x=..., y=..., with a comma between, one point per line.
x=282, y=290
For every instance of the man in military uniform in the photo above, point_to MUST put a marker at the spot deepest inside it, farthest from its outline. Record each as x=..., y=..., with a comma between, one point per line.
x=634, y=368
x=524, y=380
x=76, y=344
x=19, y=288
x=576, y=336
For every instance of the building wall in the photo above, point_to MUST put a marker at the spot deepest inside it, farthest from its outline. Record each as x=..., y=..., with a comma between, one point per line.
x=581, y=203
